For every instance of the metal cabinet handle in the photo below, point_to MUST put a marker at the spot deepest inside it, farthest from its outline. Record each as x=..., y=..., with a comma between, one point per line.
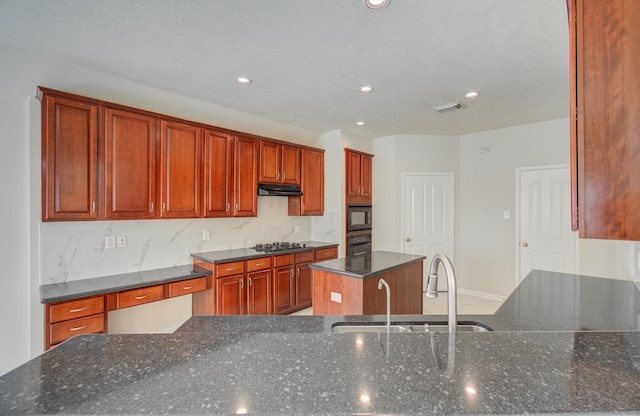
x=230, y=268
x=187, y=288
x=278, y=175
x=141, y=297
x=237, y=207
x=228, y=207
x=250, y=281
x=241, y=284
x=152, y=206
x=78, y=310
x=259, y=264
x=297, y=271
x=93, y=206
x=77, y=328
x=291, y=273
x=164, y=207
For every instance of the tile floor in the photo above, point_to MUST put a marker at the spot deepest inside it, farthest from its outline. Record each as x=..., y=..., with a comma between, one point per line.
x=467, y=304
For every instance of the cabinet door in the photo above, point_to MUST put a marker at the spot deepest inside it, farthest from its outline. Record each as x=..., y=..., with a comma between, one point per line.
x=608, y=150
x=246, y=177
x=284, y=290
x=312, y=182
x=230, y=295
x=270, y=162
x=353, y=174
x=180, y=170
x=365, y=176
x=130, y=164
x=218, y=174
x=304, y=285
x=291, y=165
x=259, y=293
x=70, y=159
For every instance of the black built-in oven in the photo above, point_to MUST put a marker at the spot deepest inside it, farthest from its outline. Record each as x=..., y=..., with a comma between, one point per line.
x=359, y=245
x=358, y=218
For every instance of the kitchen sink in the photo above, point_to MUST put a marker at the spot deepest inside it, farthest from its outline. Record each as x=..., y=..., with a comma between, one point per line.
x=408, y=327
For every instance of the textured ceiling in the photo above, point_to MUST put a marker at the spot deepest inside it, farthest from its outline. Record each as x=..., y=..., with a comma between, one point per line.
x=307, y=59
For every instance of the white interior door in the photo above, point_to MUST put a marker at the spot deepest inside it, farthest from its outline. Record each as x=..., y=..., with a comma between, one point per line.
x=428, y=216
x=546, y=241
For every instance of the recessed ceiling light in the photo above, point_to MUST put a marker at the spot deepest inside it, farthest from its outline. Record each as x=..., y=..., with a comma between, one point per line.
x=365, y=89
x=472, y=94
x=360, y=123
x=376, y=4
x=243, y=81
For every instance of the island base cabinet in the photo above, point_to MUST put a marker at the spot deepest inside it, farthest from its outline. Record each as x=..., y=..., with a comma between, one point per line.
x=361, y=296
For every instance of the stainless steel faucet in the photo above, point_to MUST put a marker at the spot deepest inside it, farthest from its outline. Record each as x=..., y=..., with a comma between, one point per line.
x=382, y=282
x=432, y=287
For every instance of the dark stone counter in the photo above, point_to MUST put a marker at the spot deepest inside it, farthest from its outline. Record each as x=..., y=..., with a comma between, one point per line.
x=223, y=256
x=367, y=265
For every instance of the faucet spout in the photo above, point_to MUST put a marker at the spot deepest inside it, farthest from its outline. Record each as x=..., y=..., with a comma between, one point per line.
x=432, y=287
x=382, y=282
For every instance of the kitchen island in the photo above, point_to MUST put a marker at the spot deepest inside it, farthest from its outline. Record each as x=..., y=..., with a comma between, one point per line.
x=296, y=365
x=349, y=285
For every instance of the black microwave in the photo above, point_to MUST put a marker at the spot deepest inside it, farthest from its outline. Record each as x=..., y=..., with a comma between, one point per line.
x=358, y=217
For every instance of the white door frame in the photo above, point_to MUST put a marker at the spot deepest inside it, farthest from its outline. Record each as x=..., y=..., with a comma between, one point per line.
x=403, y=178
x=576, y=253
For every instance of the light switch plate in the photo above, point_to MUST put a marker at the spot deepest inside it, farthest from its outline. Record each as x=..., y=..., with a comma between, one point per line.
x=110, y=242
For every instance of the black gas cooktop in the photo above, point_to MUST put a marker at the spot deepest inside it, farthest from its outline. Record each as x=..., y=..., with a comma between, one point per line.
x=278, y=246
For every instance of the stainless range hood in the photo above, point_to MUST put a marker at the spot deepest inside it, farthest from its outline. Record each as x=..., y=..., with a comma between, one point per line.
x=268, y=189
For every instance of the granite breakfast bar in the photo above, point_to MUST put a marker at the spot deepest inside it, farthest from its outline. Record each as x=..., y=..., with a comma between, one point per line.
x=551, y=356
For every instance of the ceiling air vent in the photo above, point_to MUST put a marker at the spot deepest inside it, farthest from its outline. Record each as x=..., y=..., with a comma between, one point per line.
x=449, y=107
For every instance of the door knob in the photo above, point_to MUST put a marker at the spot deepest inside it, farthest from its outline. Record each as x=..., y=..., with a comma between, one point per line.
x=525, y=244
x=408, y=239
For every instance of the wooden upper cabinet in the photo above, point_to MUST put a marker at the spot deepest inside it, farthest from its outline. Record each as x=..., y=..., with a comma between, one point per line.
x=130, y=165
x=605, y=146
x=218, y=174
x=359, y=177
x=246, y=177
x=312, y=185
x=69, y=159
x=279, y=163
x=180, y=170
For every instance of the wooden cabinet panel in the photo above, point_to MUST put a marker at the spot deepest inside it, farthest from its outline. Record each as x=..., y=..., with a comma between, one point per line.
x=283, y=289
x=246, y=177
x=291, y=165
x=259, y=293
x=305, y=256
x=353, y=173
x=185, y=287
x=304, y=285
x=180, y=170
x=139, y=296
x=230, y=297
x=283, y=260
x=69, y=159
x=64, y=330
x=326, y=253
x=359, y=177
x=229, y=269
x=130, y=164
x=365, y=176
x=218, y=174
x=312, y=185
x=75, y=309
x=605, y=147
x=270, y=162
x=261, y=263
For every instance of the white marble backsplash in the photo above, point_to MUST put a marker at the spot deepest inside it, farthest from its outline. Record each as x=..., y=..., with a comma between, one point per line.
x=76, y=250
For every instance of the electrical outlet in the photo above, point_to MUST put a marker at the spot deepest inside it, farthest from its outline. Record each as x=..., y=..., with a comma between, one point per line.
x=205, y=235
x=121, y=241
x=336, y=297
x=296, y=229
x=110, y=242
x=506, y=214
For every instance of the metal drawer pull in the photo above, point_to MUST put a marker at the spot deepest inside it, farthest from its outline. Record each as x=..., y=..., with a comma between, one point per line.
x=78, y=310
x=230, y=268
x=78, y=328
x=141, y=297
x=187, y=287
x=260, y=264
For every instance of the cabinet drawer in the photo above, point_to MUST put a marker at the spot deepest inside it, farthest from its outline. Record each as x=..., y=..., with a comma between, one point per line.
x=139, y=296
x=65, y=330
x=258, y=264
x=229, y=269
x=305, y=256
x=76, y=309
x=187, y=286
x=283, y=260
x=327, y=253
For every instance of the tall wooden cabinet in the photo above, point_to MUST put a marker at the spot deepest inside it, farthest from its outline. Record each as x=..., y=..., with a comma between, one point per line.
x=358, y=169
x=312, y=185
x=605, y=142
x=70, y=159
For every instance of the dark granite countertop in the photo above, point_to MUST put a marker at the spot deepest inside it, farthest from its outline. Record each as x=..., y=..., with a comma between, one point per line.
x=367, y=265
x=294, y=365
x=74, y=289
x=235, y=254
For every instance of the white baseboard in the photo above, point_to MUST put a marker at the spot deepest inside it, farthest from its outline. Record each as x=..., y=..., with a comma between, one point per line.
x=489, y=296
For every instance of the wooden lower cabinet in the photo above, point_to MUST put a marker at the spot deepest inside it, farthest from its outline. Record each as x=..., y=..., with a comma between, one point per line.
x=283, y=289
x=304, y=286
x=230, y=298
x=259, y=293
